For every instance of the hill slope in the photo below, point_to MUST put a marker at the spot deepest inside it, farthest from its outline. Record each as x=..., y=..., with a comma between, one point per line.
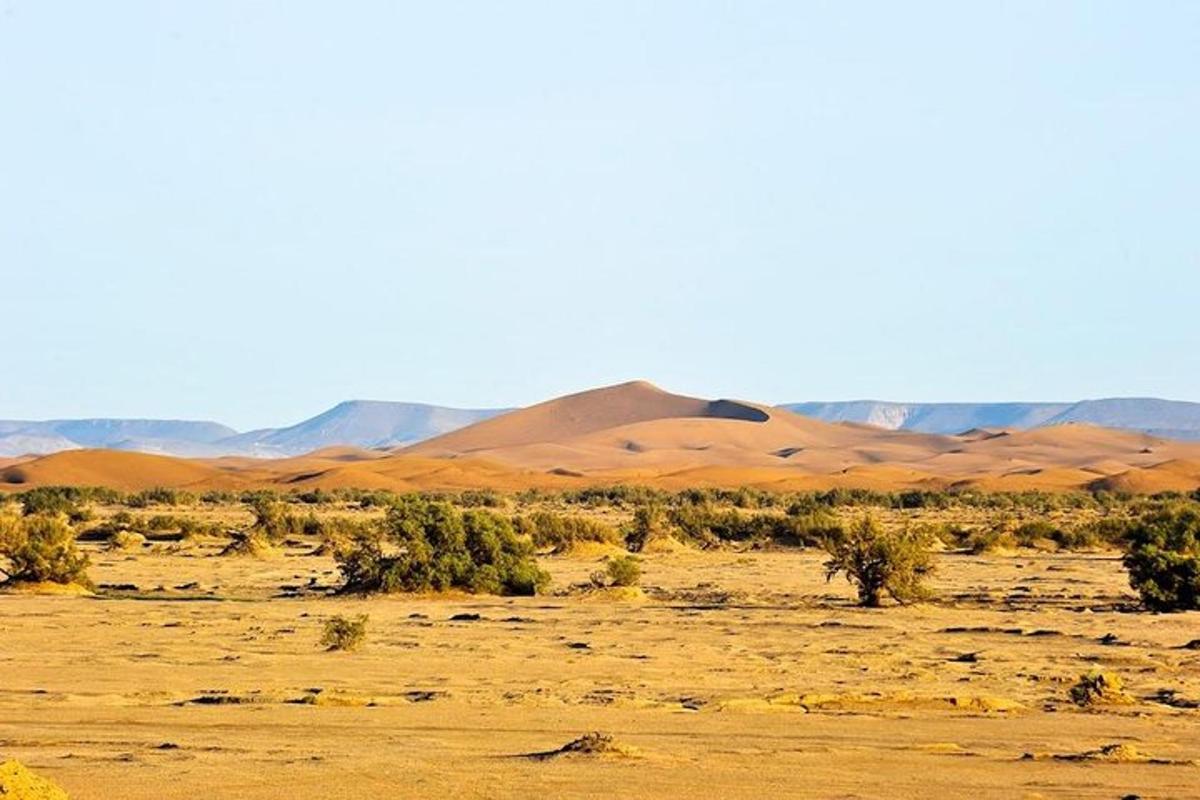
x=19, y=437
x=582, y=413
x=1169, y=418
x=635, y=433
x=358, y=423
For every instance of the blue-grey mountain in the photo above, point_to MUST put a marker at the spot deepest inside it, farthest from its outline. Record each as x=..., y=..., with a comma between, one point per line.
x=1167, y=418
x=359, y=423
x=377, y=424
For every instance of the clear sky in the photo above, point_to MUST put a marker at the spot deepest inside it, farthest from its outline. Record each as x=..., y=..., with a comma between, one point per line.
x=249, y=210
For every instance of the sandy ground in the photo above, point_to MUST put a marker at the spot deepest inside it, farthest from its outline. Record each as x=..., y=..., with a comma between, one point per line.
x=738, y=676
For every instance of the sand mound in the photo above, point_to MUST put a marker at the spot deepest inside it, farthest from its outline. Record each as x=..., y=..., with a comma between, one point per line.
x=45, y=588
x=1099, y=689
x=1110, y=754
x=614, y=594
x=986, y=703
x=114, y=469
x=1175, y=475
x=253, y=545
x=590, y=745
x=568, y=416
x=18, y=783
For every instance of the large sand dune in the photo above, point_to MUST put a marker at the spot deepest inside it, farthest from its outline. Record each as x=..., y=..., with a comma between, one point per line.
x=637, y=433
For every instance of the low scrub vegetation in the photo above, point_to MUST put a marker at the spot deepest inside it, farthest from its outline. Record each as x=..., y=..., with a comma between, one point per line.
x=619, y=571
x=1163, y=559
x=427, y=545
x=878, y=562
x=649, y=523
x=559, y=532
x=160, y=496
x=344, y=633
x=40, y=549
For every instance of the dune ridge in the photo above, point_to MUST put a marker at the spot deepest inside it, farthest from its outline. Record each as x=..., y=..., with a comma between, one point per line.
x=637, y=433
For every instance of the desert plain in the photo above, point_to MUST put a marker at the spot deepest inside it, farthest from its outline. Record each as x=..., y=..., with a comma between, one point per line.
x=731, y=673
x=733, y=669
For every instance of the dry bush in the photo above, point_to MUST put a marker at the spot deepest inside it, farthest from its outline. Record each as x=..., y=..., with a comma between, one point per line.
x=426, y=545
x=41, y=549
x=344, y=633
x=623, y=571
x=1164, y=559
x=878, y=561
x=560, y=531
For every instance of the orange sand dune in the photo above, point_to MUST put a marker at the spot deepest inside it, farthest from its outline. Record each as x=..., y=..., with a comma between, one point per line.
x=9, y=461
x=637, y=433
x=1175, y=475
x=115, y=469
x=579, y=414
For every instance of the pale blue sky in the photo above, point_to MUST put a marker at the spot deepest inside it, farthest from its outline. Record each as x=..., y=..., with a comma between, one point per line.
x=248, y=211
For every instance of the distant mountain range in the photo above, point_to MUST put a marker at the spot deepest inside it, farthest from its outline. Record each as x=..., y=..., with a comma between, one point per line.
x=1170, y=419
x=359, y=423
x=637, y=433
x=385, y=425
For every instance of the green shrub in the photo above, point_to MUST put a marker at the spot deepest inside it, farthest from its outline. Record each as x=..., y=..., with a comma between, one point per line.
x=273, y=520
x=1163, y=559
x=124, y=540
x=344, y=633
x=160, y=496
x=623, y=571
x=1108, y=530
x=1038, y=532
x=878, y=561
x=809, y=528
x=649, y=523
x=996, y=537
x=68, y=501
x=559, y=531
x=708, y=526
x=41, y=548
x=479, y=498
x=333, y=530
x=426, y=545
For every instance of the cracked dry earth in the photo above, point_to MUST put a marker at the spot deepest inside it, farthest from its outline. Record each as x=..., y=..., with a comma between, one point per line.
x=736, y=676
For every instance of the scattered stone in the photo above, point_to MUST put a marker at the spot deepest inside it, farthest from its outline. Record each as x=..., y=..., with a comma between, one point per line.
x=465, y=618
x=1099, y=688
x=1109, y=753
x=986, y=703
x=590, y=745
x=1170, y=697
